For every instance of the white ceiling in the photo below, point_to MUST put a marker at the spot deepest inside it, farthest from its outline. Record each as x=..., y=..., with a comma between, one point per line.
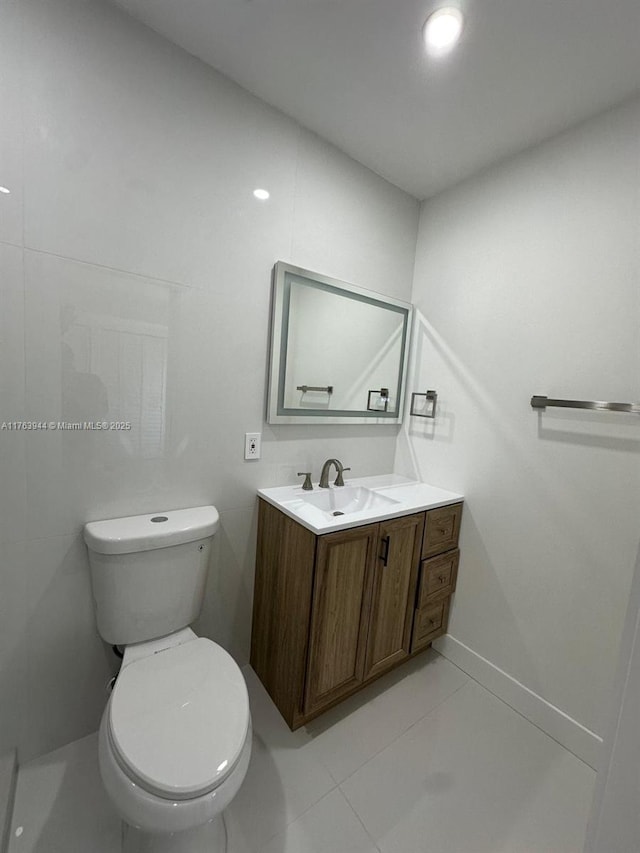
x=355, y=72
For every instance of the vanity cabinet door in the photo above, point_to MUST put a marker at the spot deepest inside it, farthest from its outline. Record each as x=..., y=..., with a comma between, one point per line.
x=394, y=589
x=340, y=614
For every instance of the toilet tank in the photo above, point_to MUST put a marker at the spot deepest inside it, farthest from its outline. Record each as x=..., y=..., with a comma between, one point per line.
x=148, y=572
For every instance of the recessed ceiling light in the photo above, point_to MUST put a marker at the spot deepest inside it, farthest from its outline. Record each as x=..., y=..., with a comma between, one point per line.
x=263, y=195
x=5, y=190
x=442, y=30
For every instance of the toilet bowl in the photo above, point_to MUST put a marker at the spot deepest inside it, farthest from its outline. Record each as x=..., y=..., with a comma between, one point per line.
x=175, y=742
x=175, y=737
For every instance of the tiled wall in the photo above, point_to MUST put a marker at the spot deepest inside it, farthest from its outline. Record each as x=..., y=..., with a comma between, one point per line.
x=134, y=286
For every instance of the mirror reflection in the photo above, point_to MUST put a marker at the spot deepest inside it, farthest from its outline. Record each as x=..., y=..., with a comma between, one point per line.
x=338, y=352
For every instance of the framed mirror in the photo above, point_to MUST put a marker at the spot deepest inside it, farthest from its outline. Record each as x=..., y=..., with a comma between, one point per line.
x=338, y=352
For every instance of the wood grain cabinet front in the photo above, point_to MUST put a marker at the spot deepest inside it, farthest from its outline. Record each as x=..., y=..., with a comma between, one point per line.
x=394, y=584
x=339, y=611
x=429, y=623
x=442, y=530
x=438, y=577
x=335, y=611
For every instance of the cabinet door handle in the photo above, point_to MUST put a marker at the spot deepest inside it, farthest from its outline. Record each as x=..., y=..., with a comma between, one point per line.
x=385, y=555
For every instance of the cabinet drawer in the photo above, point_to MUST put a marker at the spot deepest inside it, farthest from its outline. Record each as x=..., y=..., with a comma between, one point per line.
x=441, y=530
x=429, y=622
x=438, y=578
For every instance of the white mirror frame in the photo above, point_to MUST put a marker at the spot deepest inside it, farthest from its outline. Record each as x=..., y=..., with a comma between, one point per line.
x=276, y=412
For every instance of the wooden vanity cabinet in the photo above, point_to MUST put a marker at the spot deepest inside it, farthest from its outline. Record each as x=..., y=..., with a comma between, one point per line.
x=441, y=530
x=438, y=575
x=333, y=612
x=340, y=606
x=395, y=575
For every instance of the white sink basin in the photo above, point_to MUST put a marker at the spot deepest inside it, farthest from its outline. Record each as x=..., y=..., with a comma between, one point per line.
x=343, y=504
x=344, y=500
x=361, y=501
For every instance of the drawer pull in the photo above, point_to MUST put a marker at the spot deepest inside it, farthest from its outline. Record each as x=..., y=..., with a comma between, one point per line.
x=442, y=578
x=442, y=530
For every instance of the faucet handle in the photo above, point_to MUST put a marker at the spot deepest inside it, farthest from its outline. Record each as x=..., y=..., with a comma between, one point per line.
x=307, y=485
x=339, y=481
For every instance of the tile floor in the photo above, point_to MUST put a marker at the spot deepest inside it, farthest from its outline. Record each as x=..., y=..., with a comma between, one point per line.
x=423, y=761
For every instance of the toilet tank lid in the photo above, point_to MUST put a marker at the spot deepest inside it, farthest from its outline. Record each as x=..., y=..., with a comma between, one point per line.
x=153, y=530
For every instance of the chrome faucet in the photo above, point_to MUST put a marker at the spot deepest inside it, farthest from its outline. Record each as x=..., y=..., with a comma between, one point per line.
x=324, y=476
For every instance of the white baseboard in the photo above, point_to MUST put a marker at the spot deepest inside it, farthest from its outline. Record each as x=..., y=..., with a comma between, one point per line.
x=8, y=778
x=575, y=737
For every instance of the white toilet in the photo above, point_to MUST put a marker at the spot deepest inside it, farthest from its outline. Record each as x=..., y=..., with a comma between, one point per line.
x=175, y=737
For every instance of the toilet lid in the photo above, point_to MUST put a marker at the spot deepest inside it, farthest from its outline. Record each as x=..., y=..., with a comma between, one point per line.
x=179, y=719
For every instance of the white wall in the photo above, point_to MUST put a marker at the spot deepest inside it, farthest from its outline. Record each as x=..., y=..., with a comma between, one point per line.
x=527, y=282
x=613, y=823
x=135, y=273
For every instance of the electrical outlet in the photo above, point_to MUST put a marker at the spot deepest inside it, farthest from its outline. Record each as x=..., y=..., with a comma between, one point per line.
x=252, y=445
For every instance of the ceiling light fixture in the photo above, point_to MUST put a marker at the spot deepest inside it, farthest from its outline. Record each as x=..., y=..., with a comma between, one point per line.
x=442, y=30
x=263, y=195
x=5, y=190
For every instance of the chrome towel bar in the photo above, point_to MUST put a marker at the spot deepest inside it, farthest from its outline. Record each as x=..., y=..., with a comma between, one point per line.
x=328, y=389
x=540, y=402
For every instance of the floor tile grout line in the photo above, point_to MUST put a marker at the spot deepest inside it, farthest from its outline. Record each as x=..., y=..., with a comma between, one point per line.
x=509, y=705
x=359, y=819
x=338, y=783
x=524, y=717
x=297, y=817
x=11, y=244
x=528, y=720
x=403, y=732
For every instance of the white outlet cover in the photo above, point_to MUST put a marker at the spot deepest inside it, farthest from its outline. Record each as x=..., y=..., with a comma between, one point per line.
x=252, y=441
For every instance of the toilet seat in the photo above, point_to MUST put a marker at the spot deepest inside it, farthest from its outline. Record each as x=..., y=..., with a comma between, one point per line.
x=178, y=719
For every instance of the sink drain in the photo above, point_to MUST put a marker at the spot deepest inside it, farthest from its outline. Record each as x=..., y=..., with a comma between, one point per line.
x=337, y=512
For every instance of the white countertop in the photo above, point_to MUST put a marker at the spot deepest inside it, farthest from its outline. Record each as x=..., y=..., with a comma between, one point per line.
x=398, y=496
